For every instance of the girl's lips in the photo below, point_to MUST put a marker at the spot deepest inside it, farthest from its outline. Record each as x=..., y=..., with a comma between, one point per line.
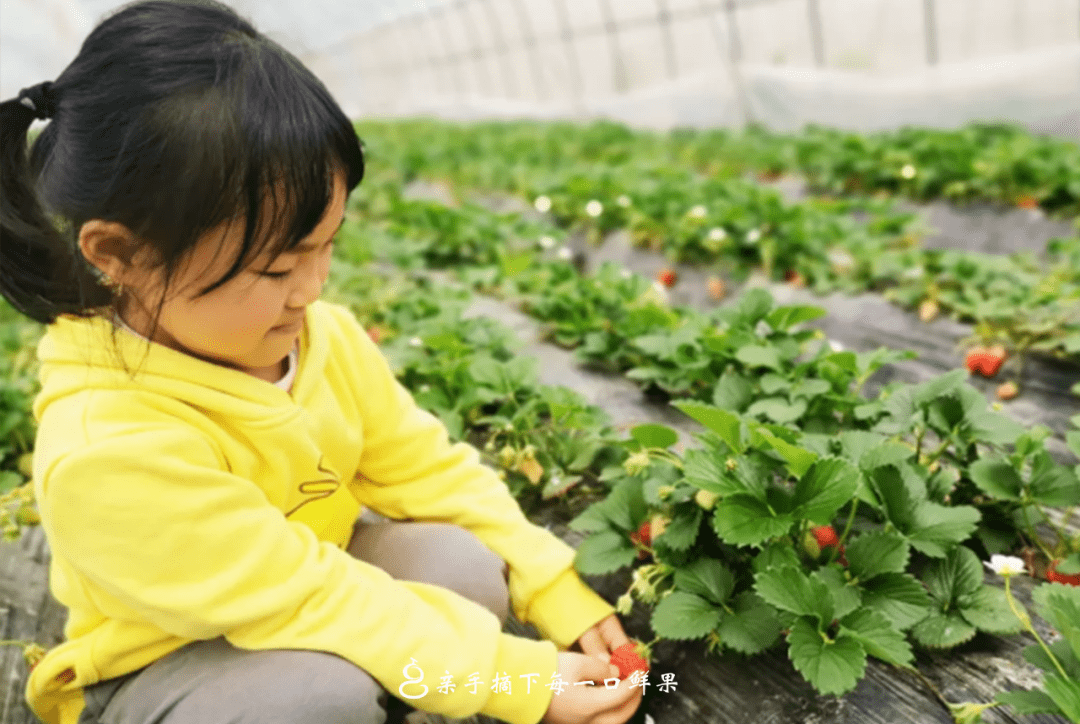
x=289, y=328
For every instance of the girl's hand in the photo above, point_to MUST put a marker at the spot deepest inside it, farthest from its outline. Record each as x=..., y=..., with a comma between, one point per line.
x=603, y=638
x=591, y=703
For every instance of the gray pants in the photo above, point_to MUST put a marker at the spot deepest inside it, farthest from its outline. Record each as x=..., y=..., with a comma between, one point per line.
x=213, y=682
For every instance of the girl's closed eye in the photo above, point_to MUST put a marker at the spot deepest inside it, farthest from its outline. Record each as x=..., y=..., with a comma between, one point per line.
x=283, y=274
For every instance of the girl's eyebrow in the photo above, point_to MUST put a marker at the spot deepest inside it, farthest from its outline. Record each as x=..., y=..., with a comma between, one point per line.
x=311, y=247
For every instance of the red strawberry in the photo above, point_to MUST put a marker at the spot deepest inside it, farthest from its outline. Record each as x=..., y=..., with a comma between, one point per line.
x=1007, y=390
x=716, y=288
x=794, y=278
x=667, y=277
x=1027, y=202
x=627, y=659
x=375, y=333
x=825, y=536
x=642, y=535
x=985, y=361
x=1054, y=577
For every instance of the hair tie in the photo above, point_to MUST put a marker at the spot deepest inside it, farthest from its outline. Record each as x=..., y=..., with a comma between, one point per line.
x=39, y=99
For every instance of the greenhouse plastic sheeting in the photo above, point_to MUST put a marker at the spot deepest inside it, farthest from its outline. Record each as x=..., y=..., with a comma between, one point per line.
x=856, y=64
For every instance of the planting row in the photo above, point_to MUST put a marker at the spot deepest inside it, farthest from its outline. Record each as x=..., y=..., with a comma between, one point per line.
x=1025, y=302
x=986, y=162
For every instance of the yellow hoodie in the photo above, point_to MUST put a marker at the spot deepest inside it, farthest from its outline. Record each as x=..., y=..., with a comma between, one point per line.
x=199, y=501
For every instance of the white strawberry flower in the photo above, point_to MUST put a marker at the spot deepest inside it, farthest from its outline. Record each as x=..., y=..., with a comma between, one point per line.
x=1005, y=565
x=416, y=342
x=565, y=253
x=841, y=259
x=546, y=242
x=717, y=234
x=626, y=273
x=623, y=201
x=594, y=208
x=542, y=204
x=908, y=171
x=697, y=212
x=753, y=236
x=658, y=293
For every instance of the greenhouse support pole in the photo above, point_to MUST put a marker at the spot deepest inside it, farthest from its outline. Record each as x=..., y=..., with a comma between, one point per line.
x=528, y=35
x=619, y=81
x=444, y=36
x=733, y=33
x=729, y=49
x=436, y=67
x=571, y=52
x=663, y=17
x=477, y=51
x=931, y=32
x=501, y=46
x=817, y=41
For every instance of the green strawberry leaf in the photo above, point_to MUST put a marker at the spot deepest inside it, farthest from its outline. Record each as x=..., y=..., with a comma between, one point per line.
x=997, y=477
x=875, y=553
x=899, y=597
x=683, y=616
x=708, y=578
x=1035, y=656
x=798, y=459
x=846, y=597
x=958, y=574
x=988, y=610
x=877, y=636
x=591, y=519
x=756, y=356
x=705, y=469
x=1028, y=702
x=604, y=552
x=937, y=528
x=1066, y=694
x=659, y=436
x=683, y=529
x=789, y=589
x=832, y=667
x=733, y=392
x=943, y=630
x=1059, y=604
x=743, y=520
x=752, y=625
x=725, y=424
x=777, y=409
x=1053, y=484
x=827, y=485
x=784, y=318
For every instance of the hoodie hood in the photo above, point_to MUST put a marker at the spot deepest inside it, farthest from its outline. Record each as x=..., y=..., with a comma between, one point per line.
x=77, y=354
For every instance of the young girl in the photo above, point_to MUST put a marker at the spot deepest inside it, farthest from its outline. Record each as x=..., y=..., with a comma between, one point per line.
x=201, y=506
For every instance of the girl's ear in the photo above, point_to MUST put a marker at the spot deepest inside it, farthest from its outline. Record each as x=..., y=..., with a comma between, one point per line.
x=108, y=246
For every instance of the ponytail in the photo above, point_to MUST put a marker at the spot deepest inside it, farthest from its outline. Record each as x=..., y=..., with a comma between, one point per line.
x=41, y=274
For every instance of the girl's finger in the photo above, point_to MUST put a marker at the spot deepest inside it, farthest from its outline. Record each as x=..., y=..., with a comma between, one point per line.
x=592, y=643
x=596, y=669
x=612, y=632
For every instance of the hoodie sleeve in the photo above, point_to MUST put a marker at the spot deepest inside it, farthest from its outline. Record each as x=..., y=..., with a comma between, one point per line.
x=409, y=469
x=159, y=530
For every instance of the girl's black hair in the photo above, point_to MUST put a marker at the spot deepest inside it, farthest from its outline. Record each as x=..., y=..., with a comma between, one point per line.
x=176, y=116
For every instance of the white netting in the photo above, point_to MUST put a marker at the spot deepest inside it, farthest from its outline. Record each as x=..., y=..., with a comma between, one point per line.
x=857, y=64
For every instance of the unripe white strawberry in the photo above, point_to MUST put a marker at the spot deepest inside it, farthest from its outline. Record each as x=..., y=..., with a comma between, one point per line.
x=705, y=499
